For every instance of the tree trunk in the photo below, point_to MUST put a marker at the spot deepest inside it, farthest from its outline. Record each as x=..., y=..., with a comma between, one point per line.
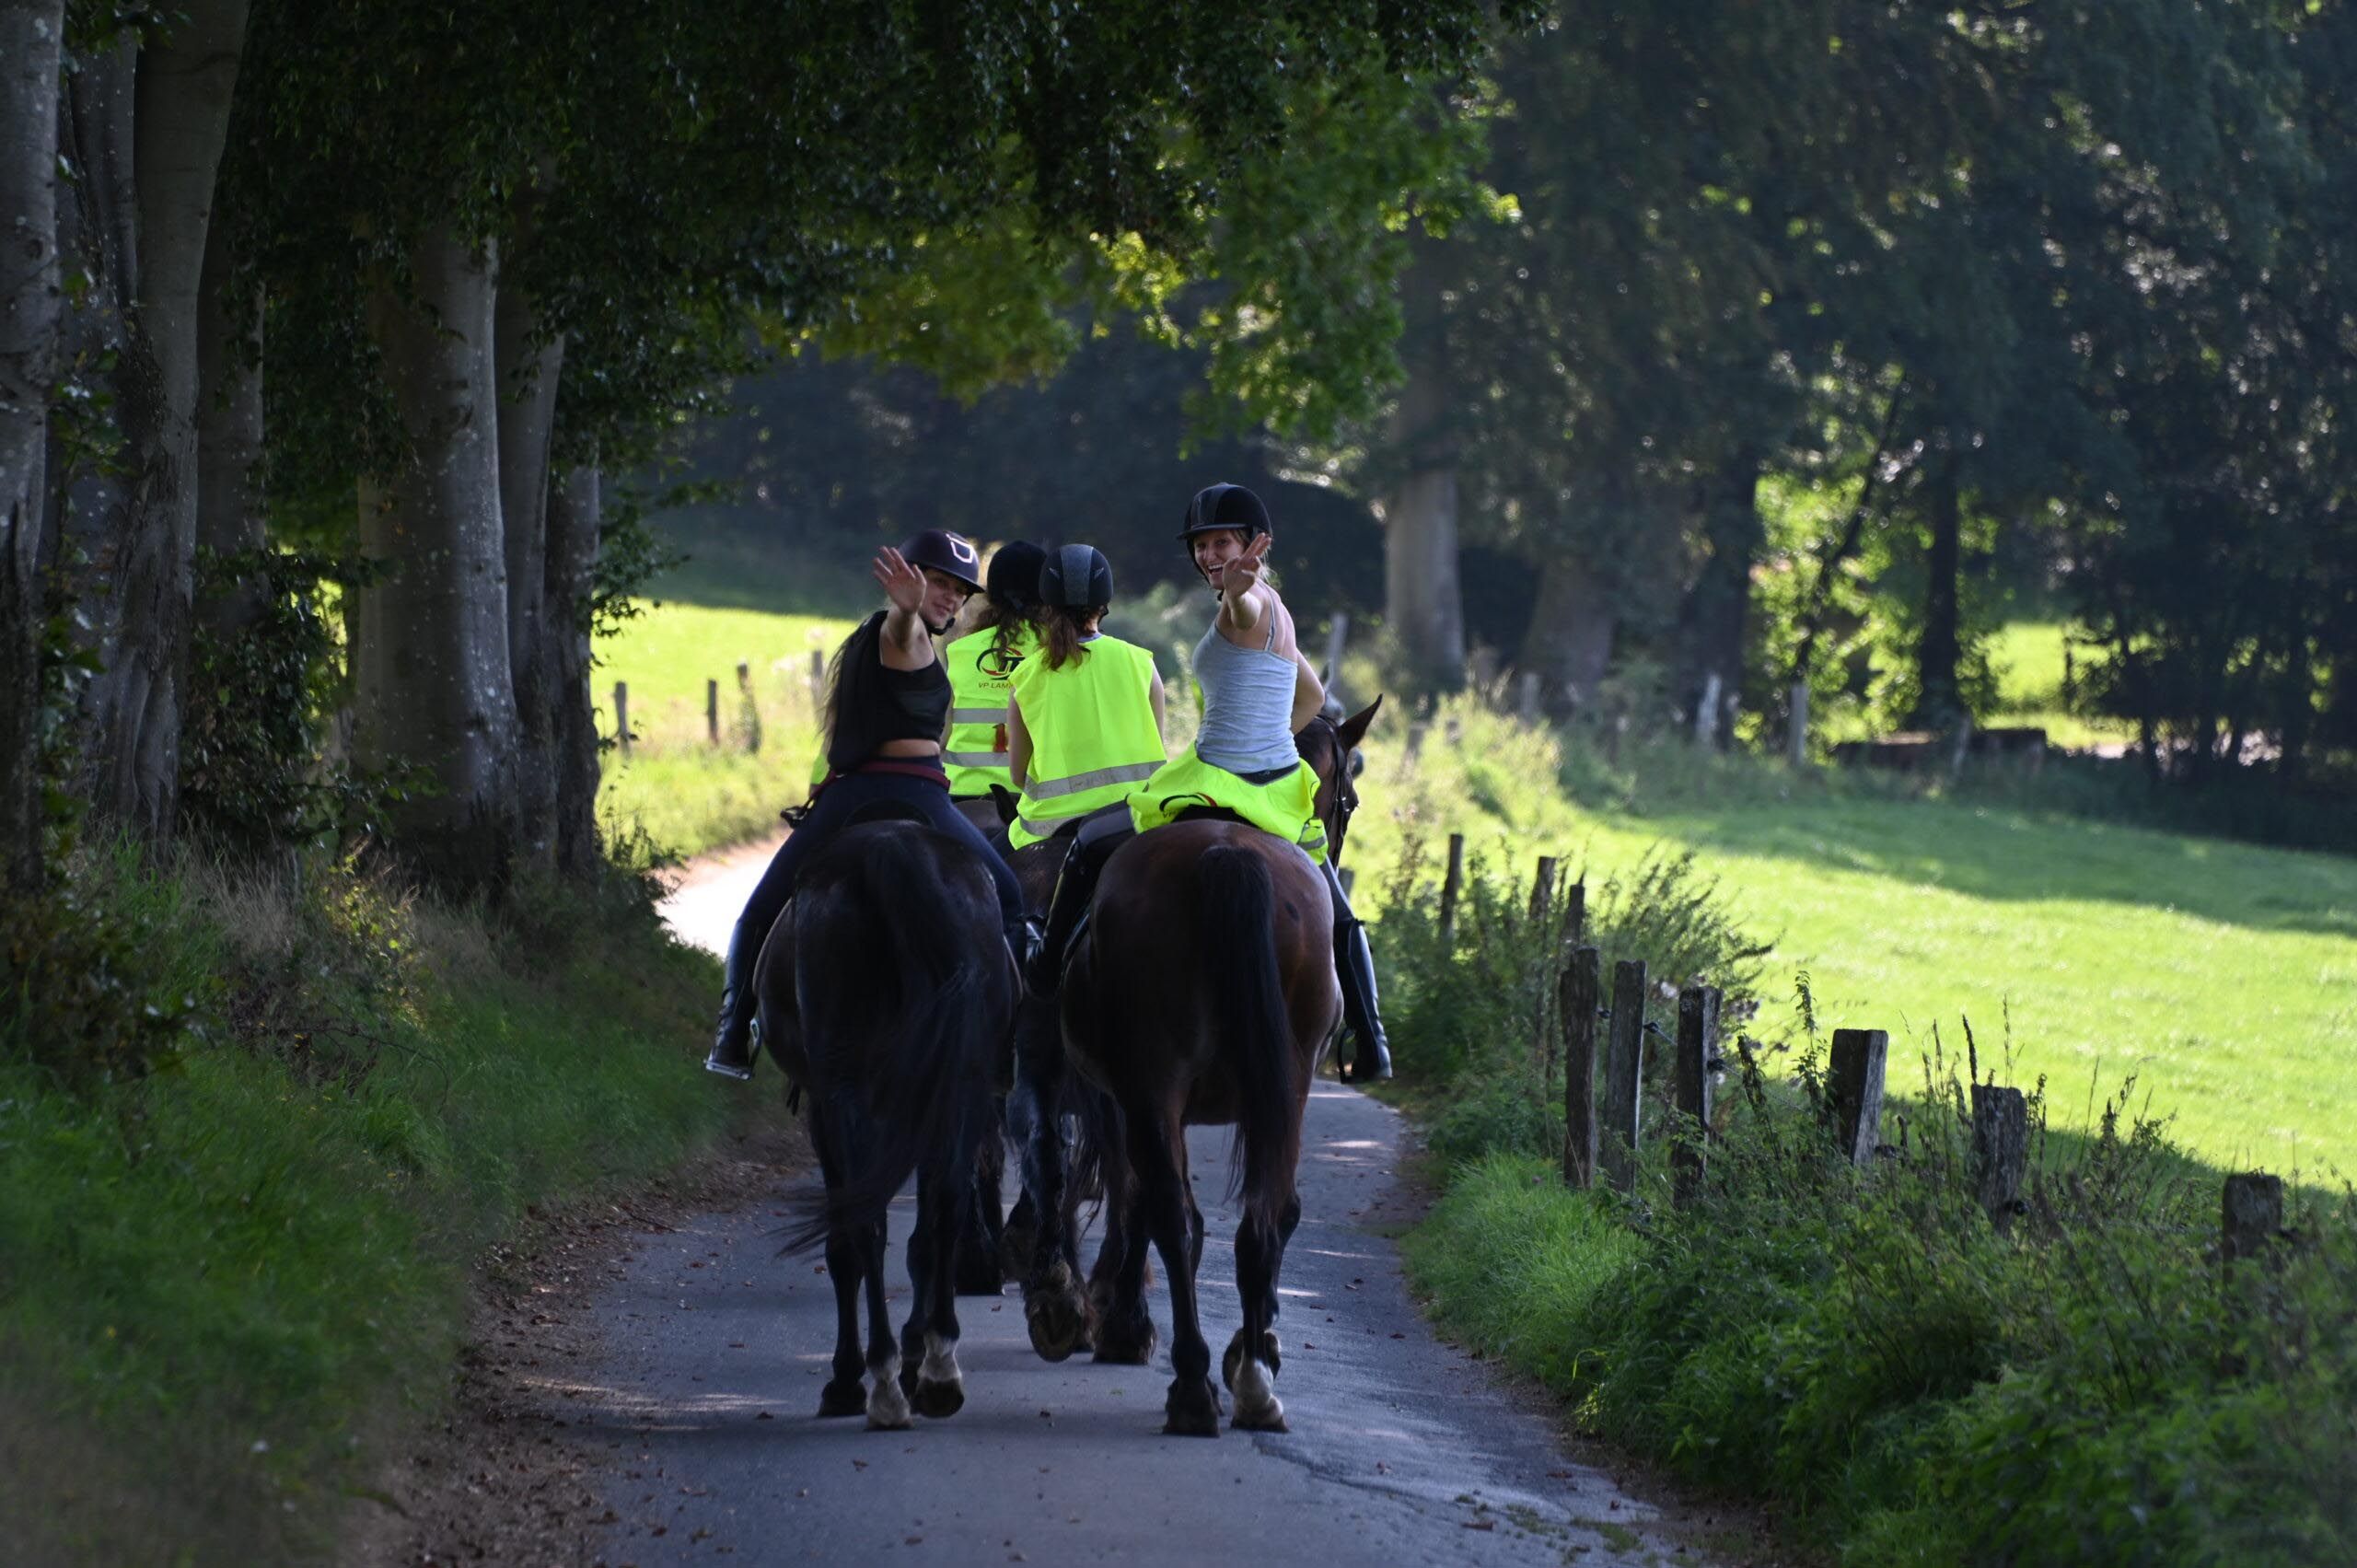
x=1938, y=704
x=31, y=314
x=1423, y=599
x=528, y=383
x=1712, y=630
x=228, y=435
x=572, y=522
x=434, y=689
x=151, y=129
x=1570, y=640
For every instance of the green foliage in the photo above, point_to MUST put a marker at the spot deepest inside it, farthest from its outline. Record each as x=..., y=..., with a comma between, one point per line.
x=1911, y=1385
x=226, y=1291
x=260, y=695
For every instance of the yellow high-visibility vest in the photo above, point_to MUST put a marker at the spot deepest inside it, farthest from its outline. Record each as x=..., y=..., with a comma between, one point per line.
x=1093, y=735
x=976, y=756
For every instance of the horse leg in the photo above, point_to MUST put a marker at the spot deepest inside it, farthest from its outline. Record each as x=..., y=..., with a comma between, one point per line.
x=888, y=1407
x=842, y=1395
x=976, y=1258
x=1260, y=1255
x=1117, y=1287
x=1192, y=1409
x=939, y=1388
x=1054, y=1311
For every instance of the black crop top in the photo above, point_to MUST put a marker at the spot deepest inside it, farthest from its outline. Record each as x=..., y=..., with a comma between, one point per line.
x=919, y=705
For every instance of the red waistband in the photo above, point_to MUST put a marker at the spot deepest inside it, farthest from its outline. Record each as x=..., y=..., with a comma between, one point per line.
x=903, y=767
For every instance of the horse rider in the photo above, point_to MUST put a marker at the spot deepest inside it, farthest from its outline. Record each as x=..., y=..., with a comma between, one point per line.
x=888, y=701
x=982, y=666
x=1259, y=692
x=1085, y=721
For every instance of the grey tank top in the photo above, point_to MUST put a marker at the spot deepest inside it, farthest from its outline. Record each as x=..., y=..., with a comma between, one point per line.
x=1247, y=704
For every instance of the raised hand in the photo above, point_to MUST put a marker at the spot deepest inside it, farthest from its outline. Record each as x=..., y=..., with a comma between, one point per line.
x=902, y=583
x=1242, y=575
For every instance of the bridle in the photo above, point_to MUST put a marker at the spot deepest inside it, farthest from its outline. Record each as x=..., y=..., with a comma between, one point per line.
x=1346, y=794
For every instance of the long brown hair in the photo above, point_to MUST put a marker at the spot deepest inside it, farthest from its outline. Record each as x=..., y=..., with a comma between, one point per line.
x=1008, y=622
x=1062, y=627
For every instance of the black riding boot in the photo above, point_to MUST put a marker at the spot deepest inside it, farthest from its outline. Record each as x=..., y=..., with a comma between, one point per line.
x=1043, y=966
x=733, y=1046
x=1093, y=845
x=1355, y=966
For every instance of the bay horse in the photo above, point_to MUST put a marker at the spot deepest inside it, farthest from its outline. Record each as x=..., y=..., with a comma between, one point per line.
x=1202, y=991
x=885, y=992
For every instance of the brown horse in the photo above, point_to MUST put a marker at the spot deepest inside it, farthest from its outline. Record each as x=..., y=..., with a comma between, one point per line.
x=1203, y=991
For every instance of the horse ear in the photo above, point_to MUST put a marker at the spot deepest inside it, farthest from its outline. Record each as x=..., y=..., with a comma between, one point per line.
x=1354, y=729
x=1006, y=800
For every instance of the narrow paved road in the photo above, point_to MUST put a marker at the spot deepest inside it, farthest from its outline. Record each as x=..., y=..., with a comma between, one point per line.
x=1402, y=1450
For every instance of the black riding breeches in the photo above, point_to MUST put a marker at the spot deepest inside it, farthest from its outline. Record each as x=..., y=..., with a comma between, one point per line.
x=836, y=806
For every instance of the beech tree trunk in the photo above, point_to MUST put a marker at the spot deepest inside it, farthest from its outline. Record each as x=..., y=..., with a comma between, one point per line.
x=228, y=435
x=434, y=688
x=31, y=33
x=1713, y=621
x=151, y=128
x=527, y=384
x=1938, y=701
x=572, y=523
x=1422, y=596
x=1570, y=640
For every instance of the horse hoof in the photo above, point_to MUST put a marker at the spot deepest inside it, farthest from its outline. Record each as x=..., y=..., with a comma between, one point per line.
x=1234, y=1356
x=840, y=1398
x=938, y=1401
x=1059, y=1324
x=1192, y=1410
x=887, y=1408
x=1257, y=1406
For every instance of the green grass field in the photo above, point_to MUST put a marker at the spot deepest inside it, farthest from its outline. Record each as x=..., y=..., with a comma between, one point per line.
x=2222, y=975
x=2028, y=658
x=688, y=795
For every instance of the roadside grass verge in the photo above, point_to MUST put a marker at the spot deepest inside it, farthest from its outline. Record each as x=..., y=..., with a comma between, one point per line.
x=1907, y=1386
x=229, y=1287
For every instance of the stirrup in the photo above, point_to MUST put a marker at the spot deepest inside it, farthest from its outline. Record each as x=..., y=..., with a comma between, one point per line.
x=742, y=1069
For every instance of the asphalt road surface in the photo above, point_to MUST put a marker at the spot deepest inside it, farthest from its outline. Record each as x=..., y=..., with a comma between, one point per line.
x=1402, y=1450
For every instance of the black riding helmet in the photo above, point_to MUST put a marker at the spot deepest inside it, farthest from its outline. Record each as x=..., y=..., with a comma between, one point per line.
x=1221, y=506
x=1076, y=577
x=945, y=553
x=1014, y=575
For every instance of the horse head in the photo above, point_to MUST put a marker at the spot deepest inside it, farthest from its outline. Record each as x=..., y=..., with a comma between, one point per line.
x=1331, y=749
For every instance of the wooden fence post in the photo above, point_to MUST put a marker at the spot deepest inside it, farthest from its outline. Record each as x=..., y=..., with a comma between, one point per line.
x=1527, y=696
x=1999, y=1150
x=1624, y=1074
x=1854, y=1078
x=1698, y=1043
x=1415, y=745
x=621, y=716
x=1449, y=888
x=2253, y=1216
x=1576, y=1006
x=818, y=681
x=1542, y=889
x=1797, y=734
x=712, y=711
x=1575, y=913
x=752, y=711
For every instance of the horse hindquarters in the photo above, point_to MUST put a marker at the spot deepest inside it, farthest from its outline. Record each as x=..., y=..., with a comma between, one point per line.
x=1235, y=906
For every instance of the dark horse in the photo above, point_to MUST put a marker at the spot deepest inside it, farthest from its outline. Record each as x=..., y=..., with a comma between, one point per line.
x=885, y=992
x=1203, y=991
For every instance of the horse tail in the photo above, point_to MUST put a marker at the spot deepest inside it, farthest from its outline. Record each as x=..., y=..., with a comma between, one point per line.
x=896, y=1001
x=1235, y=915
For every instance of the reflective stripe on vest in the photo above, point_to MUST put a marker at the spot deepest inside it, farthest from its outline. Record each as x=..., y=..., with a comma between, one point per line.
x=1092, y=730
x=976, y=755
